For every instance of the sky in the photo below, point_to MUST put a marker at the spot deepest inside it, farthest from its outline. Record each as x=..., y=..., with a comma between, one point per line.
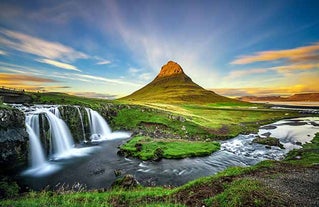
x=109, y=49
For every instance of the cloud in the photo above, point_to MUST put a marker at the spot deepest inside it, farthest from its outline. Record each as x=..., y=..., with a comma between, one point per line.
x=240, y=73
x=39, y=47
x=59, y=64
x=94, y=95
x=7, y=77
x=103, y=62
x=2, y=52
x=300, y=53
x=106, y=80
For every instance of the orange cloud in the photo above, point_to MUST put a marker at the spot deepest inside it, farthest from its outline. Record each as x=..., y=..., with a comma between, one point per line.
x=296, y=54
x=6, y=77
x=26, y=82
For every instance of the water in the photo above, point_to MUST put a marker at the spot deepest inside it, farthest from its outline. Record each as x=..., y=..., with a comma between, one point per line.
x=82, y=124
x=100, y=130
x=97, y=169
x=60, y=140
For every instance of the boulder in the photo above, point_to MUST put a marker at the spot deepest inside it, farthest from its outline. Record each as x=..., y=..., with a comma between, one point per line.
x=14, y=140
x=126, y=182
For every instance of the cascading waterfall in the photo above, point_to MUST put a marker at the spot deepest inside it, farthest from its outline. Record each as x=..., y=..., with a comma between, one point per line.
x=60, y=134
x=82, y=124
x=100, y=130
x=60, y=140
x=37, y=157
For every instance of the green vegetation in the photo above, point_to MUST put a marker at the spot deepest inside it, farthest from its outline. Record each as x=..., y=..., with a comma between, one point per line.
x=145, y=118
x=271, y=141
x=63, y=98
x=308, y=155
x=245, y=192
x=147, y=148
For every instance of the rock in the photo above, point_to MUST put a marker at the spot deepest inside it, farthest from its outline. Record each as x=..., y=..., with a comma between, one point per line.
x=117, y=172
x=138, y=147
x=126, y=182
x=267, y=134
x=298, y=143
x=158, y=154
x=14, y=140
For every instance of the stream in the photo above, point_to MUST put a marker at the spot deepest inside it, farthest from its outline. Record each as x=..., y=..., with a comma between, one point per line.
x=94, y=168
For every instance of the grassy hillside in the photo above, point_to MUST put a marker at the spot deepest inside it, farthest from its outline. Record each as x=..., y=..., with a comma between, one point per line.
x=172, y=85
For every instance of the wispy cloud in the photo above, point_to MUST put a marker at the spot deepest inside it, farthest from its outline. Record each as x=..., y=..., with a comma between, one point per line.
x=2, y=52
x=240, y=73
x=297, y=54
x=59, y=64
x=94, y=95
x=39, y=47
x=106, y=80
x=103, y=62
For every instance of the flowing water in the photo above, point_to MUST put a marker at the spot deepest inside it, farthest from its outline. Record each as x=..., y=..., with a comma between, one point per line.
x=93, y=165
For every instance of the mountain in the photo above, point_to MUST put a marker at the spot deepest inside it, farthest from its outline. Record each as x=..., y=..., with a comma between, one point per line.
x=302, y=97
x=172, y=85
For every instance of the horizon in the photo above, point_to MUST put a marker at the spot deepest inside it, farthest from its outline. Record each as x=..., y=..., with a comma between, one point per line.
x=112, y=48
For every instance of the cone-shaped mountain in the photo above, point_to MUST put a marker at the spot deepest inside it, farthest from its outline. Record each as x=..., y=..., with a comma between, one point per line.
x=172, y=85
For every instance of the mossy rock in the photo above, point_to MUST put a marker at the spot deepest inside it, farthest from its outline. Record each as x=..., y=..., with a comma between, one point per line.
x=270, y=141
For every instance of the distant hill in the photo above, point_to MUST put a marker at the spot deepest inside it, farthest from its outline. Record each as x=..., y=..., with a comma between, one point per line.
x=172, y=85
x=303, y=97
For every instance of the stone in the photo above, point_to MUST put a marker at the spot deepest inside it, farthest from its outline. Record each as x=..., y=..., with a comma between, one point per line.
x=126, y=182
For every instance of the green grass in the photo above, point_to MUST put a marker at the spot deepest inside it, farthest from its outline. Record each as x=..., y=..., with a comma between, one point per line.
x=63, y=98
x=244, y=192
x=167, y=148
x=306, y=156
x=137, y=117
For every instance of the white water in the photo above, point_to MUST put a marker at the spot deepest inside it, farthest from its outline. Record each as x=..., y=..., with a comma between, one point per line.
x=82, y=124
x=36, y=151
x=100, y=130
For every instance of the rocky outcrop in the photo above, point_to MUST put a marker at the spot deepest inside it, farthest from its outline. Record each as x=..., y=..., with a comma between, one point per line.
x=13, y=138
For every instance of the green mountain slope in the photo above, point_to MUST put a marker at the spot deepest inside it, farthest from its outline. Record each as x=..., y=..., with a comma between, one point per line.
x=172, y=85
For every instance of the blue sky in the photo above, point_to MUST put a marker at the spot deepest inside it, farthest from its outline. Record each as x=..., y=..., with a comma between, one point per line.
x=112, y=48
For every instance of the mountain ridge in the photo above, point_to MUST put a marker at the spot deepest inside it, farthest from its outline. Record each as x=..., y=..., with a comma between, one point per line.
x=172, y=85
x=303, y=97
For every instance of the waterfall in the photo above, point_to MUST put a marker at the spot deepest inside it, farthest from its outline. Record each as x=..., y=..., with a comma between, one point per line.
x=37, y=157
x=82, y=124
x=60, y=134
x=99, y=128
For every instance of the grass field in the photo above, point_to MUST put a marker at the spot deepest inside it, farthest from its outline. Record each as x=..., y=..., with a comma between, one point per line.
x=147, y=148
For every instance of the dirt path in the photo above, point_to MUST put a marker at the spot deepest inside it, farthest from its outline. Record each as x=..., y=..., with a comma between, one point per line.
x=298, y=186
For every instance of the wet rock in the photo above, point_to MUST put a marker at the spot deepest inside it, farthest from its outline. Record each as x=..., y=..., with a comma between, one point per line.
x=138, y=147
x=14, y=139
x=298, y=143
x=117, y=172
x=270, y=141
x=158, y=154
x=126, y=182
x=267, y=134
x=98, y=171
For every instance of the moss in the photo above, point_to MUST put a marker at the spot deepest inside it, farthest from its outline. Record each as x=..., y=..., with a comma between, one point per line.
x=271, y=141
x=147, y=148
x=8, y=189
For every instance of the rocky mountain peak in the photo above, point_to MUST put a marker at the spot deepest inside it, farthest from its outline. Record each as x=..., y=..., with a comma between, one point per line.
x=170, y=69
